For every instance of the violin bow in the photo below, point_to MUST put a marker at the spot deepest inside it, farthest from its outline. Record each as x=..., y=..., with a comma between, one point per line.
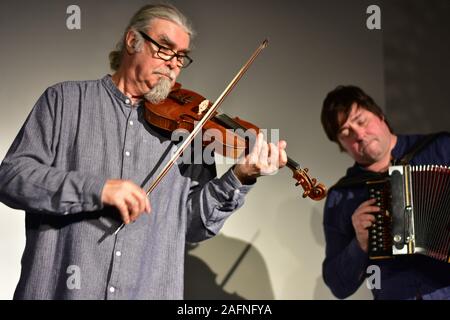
x=208, y=115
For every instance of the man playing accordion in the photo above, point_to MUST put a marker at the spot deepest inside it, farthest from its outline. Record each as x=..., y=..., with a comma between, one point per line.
x=357, y=124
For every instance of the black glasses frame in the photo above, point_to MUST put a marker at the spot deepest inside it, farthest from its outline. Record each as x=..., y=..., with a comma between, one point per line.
x=185, y=59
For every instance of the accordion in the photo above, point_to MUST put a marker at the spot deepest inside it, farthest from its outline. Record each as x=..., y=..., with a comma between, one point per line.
x=414, y=215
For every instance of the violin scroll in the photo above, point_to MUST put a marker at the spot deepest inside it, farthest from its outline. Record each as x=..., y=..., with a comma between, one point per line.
x=310, y=187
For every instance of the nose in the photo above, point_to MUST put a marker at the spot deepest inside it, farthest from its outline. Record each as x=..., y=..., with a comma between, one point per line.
x=358, y=133
x=172, y=63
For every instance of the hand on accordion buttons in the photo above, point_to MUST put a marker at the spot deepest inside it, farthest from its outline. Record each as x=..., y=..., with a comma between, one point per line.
x=362, y=220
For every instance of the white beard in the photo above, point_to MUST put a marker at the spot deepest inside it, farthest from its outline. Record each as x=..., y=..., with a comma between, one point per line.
x=159, y=92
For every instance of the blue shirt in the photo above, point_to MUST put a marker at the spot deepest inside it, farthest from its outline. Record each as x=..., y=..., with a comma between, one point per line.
x=345, y=264
x=78, y=135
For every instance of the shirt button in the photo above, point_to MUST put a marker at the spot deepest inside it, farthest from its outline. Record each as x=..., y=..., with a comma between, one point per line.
x=131, y=122
x=127, y=101
x=127, y=153
x=118, y=253
x=112, y=289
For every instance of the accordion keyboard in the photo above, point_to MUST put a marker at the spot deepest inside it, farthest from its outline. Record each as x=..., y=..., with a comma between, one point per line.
x=380, y=238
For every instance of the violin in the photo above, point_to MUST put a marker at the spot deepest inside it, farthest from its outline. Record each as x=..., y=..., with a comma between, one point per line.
x=183, y=108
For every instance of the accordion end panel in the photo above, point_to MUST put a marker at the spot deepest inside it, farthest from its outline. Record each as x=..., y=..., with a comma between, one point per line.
x=414, y=213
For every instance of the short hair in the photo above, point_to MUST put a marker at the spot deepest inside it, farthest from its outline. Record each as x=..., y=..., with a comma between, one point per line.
x=340, y=100
x=141, y=21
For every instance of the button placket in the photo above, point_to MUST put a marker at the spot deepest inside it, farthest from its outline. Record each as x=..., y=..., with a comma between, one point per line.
x=129, y=143
x=116, y=265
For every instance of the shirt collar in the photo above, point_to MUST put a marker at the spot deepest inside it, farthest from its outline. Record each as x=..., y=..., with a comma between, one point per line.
x=111, y=86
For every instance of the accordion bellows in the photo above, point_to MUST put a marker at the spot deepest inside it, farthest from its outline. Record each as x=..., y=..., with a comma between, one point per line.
x=414, y=213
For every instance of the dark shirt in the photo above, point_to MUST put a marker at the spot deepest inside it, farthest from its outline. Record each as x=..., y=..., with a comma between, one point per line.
x=345, y=264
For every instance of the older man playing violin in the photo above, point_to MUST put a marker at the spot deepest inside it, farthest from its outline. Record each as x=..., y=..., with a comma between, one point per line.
x=80, y=166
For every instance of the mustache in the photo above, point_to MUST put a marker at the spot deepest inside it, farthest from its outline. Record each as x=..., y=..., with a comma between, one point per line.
x=166, y=72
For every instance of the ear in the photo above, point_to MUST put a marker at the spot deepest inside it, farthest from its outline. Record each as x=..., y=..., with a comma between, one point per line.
x=130, y=41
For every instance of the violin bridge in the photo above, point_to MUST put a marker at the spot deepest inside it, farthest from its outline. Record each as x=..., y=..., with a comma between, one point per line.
x=203, y=106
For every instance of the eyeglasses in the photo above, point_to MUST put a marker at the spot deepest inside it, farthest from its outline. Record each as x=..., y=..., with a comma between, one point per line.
x=166, y=54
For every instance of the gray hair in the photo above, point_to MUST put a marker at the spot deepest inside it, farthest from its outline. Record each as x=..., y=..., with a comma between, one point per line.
x=141, y=22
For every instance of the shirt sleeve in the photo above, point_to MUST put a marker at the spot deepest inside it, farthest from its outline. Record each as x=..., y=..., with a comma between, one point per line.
x=345, y=262
x=28, y=179
x=210, y=204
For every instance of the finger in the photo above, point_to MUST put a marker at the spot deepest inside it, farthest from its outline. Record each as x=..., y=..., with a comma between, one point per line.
x=142, y=197
x=252, y=158
x=147, y=207
x=362, y=225
x=368, y=217
x=273, y=156
x=136, y=203
x=263, y=154
x=360, y=217
x=368, y=202
x=272, y=163
x=145, y=202
x=131, y=191
x=124, y=213
x=133, y=207
x=366, y=224
x=371, y=217
x=371, y=209
x=259, y=142
x=282, y=144
x=367, y=213
x=282, y=153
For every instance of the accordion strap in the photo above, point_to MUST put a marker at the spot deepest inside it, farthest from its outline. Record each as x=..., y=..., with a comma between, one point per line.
x=419, y=146
x=347, y=182
x=361, y=179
